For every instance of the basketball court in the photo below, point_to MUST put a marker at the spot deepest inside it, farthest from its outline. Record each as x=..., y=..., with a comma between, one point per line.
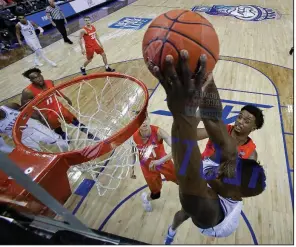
x=254, y=67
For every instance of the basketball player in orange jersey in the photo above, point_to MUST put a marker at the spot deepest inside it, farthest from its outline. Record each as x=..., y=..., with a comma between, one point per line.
x=249, y=119
x=38, y=86
x=92, y=45
x=153, y=159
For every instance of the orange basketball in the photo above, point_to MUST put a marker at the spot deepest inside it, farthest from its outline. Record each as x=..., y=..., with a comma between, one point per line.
x=176, y=30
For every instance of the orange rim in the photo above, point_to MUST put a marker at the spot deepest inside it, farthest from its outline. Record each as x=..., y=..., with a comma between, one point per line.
x=95, y=150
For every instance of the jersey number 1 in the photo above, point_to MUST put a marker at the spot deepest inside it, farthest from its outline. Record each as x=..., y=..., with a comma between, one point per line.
x=49, y=101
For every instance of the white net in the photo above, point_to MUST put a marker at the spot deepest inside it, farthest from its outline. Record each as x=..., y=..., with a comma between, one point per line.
x=84, y=114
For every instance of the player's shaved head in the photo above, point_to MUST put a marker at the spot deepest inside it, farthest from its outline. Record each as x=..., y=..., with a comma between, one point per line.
x=30, y=71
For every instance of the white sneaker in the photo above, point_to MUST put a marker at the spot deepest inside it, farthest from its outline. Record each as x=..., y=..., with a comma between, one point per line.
x=146, y=204
x=38, y=64
x=53, y=64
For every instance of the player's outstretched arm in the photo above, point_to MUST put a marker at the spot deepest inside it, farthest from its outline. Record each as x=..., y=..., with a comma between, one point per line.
x=211, y=115
x=37, y=27
x=182, y=89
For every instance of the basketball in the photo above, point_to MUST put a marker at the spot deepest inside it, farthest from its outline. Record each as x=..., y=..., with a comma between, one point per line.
x=176, y=30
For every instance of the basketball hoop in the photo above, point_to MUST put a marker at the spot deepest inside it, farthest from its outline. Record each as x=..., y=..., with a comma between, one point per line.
x=106, y=104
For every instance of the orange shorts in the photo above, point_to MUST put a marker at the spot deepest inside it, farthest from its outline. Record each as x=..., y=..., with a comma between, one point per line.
x=53, y=118
x=91, y=50
x=153, y=178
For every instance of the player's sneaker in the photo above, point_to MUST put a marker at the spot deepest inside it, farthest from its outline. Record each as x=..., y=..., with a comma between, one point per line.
x=169, y=237
x=83, y=72
x=146, y=204
x=38, y=64
x=110, y=70
x=53, y=64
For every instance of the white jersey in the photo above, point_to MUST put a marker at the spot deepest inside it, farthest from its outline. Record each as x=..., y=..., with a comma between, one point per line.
x=232, y=210
x=6, y=124
x=28, y=31
x=33, y=133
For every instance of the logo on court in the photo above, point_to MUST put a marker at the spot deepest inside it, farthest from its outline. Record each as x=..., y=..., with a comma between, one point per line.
x=131, y=23
x=230, y=112
x=241, y=12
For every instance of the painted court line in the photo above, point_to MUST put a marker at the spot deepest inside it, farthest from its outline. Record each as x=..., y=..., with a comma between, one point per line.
x=289, y=133
x=282, y=127
x=145, y=186
x=244, y=91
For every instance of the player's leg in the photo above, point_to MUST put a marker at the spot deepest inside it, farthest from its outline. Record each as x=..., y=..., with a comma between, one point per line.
x=179, y=218
x=43, y=134
x=89, y=57
x=33, y=47
x=84, y=129
x=154, y=183
x=107, y=67
x=40, y=53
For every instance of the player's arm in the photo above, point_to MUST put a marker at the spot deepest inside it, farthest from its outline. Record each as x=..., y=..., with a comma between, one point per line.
x=82, y=32
x=18, y=34
x=98, y=39
x=26, y=97
x=37, y=27
x=162, y=135
x=133, y=161
x=181, y=88
x=211, y=115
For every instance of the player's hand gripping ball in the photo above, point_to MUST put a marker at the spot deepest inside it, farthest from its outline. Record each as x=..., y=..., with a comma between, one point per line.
x=178, y=30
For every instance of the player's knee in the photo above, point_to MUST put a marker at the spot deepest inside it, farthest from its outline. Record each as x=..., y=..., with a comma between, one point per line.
x=155, y=196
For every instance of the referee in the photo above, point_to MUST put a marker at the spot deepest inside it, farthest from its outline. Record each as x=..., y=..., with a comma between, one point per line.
x=57, y=19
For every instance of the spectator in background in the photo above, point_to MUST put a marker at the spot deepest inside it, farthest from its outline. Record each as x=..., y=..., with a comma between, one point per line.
x=57, y=19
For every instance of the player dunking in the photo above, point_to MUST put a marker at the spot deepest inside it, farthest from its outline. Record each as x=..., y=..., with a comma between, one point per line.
x=92, y=45
x=39, y=85
x=153, y=159
x=27, y=28
x=33, y=133
x=210, y=191
x=249, y=119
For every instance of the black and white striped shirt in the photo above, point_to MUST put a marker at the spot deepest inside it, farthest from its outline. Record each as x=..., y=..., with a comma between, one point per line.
x=55, y=13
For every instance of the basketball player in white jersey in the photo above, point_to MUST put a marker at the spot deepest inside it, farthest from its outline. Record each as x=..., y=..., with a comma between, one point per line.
x=27, y=28
x=210, y=191
x=33, y=133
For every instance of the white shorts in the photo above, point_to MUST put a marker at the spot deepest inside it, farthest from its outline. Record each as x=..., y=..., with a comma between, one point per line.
x=34, y=44
x=230, y=222
x=232, y=211
x=36, y=132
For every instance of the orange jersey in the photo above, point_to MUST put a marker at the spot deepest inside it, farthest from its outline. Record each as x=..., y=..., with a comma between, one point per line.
x=153, y=149
x=51, y=103
x=244, y=150
x=89, y=37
